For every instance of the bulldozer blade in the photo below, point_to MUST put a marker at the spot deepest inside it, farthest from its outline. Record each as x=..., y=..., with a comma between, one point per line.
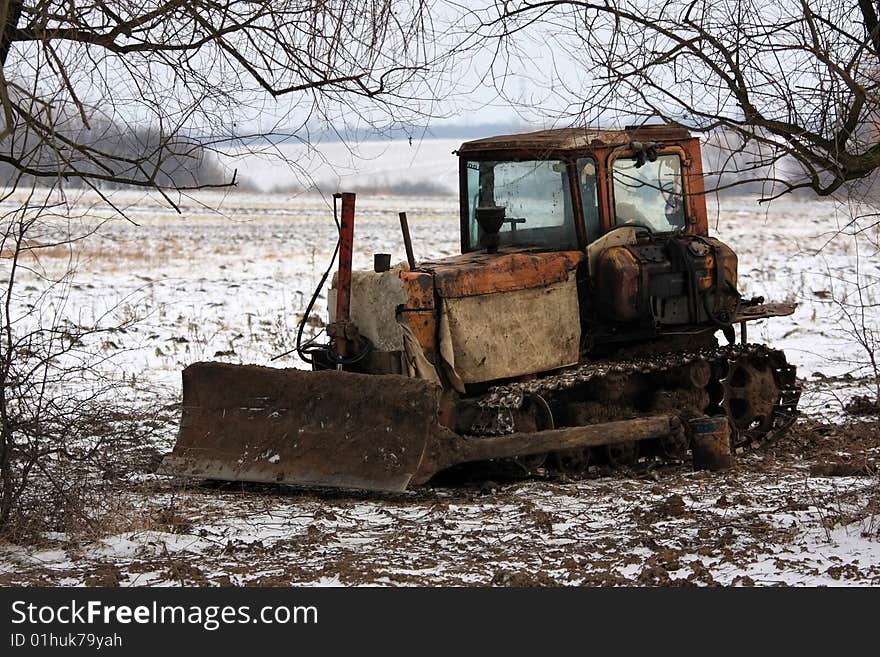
x=328, y=428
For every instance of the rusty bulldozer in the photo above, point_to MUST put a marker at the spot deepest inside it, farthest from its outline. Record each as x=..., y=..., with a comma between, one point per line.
x=577, y=326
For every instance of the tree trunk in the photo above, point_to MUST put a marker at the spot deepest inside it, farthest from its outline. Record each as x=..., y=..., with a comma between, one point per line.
x=11, y=14
x=869, y=18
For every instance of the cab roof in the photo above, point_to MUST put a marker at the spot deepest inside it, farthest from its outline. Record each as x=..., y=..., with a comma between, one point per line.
x=562, y=140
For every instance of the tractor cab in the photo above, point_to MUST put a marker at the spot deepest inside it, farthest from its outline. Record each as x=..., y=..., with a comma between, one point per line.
x=631, y=202
x=564, y=189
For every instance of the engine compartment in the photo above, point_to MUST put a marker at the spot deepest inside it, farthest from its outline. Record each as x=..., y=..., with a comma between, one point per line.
x=675, y=280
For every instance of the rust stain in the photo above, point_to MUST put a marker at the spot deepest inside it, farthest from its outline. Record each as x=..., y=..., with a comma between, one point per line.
x=419, y=288
x=423, y=324
x=694, y=187
x=571, y=139
x=473, y=274
x=619, y=277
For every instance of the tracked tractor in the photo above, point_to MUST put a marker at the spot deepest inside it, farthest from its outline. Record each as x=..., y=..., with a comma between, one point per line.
x=590, y=318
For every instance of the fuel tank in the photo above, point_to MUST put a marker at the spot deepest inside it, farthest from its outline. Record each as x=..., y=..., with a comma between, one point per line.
x=475, y=317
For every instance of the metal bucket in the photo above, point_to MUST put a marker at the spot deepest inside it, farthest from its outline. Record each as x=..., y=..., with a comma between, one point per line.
x=710, y=443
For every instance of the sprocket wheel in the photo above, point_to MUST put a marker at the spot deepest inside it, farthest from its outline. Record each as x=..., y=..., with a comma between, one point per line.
x=750, y=394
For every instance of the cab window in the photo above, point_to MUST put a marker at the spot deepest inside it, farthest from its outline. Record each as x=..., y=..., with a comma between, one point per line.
x=650, y=195
x=535, y=198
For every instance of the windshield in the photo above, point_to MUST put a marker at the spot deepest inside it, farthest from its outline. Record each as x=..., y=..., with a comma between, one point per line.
x=535, y=198
x=650, y=195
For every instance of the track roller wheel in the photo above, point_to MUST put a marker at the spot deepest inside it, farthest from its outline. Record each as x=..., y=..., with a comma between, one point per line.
x=534, y=415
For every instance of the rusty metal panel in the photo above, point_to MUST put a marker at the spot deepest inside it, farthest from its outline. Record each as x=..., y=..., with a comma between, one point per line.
x=623, y=235
x=729, y=260
x=618, y=279
x=474, y=274
x=504, y=334
x=695, y=187
x=419, y=288
x=540, y=142
x=417, y=363
x=423, y=325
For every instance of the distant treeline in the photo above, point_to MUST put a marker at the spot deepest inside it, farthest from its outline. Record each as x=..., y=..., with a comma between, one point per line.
x=732, y=168
x=409, y=188
x=324, y=135
x=108, y=156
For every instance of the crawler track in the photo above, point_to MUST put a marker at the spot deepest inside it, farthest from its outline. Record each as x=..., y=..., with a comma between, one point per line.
x=754, y=385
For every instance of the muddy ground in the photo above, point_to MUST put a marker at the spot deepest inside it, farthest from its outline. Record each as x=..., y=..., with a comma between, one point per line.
x=804, y=510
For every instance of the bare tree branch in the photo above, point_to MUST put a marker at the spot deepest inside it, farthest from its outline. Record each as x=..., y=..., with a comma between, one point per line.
x=799, y=79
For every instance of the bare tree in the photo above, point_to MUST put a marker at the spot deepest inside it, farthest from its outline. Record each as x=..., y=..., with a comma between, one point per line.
x=792, y=81
x=102, y=94
x=57, y=407
x=854, y=299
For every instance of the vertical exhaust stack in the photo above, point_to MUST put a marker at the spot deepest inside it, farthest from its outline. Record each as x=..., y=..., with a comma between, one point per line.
x=407, y=241
x=343, y=332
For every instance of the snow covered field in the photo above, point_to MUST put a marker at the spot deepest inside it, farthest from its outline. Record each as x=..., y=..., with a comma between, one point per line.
x=231, y=285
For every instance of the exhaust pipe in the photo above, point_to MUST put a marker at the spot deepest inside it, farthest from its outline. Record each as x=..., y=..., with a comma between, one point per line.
x=407, y=241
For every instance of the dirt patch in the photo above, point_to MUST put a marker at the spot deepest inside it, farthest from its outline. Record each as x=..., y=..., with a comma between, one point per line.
x=105, y=575
x=522, y=579
x=863, y=405
x=844, y=469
